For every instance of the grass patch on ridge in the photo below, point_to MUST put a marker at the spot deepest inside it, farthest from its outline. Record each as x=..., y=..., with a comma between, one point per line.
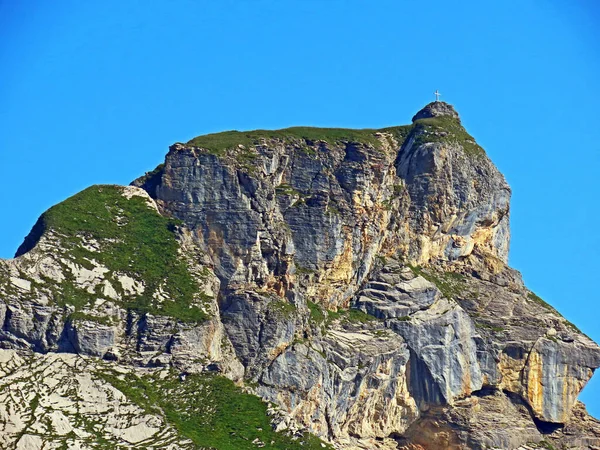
x=219, y=143
x=320, y=315
x=211, y=411
x=431, y=129
x=450, y=284
x=134, y=239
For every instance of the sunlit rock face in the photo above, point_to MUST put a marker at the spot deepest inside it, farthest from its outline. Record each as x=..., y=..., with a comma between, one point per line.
x=458, y=203
x=306, y=218
x=355, y=279
x=270, y=213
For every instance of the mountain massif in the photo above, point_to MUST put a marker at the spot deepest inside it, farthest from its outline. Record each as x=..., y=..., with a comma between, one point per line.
x=299, y=288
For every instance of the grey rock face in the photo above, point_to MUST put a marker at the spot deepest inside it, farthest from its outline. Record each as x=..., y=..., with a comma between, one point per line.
x=357, y=279
x=89, y=338
x=31, y=325
x=349, y=382
x=557, y=370
x=526, y=348
x=444, y=358
x=259, y=328
x=395, y=292
x=457, y=205
x=295, y=213
x=439, y=335
x=36, y=312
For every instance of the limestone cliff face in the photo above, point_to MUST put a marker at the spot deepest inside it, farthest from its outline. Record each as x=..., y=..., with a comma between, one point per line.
x=356, y=279
x=459, y=202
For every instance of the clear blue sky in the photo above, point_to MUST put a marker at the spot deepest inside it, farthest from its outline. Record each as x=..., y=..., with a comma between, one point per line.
x=95, y=91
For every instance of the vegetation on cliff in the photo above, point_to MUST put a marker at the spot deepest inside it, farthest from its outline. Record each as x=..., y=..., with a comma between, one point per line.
x=133, y=239
x=442, y=128
x=446, y=129
x=211, y=411
x=219, y=143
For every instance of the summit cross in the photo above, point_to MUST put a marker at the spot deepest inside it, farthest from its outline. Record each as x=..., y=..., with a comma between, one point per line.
x=437, y=95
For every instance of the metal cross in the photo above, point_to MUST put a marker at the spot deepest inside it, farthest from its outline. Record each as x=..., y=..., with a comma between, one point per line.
x=437, y=95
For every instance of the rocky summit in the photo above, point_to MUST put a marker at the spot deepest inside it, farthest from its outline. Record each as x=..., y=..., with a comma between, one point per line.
x=303, y=288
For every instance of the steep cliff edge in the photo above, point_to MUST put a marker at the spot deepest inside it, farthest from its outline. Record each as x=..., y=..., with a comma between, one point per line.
x=355, y=279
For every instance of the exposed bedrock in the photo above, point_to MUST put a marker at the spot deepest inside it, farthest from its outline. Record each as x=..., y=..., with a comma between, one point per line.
x=356, y=279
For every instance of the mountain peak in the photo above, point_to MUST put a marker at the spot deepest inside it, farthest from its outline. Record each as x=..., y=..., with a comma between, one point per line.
x=298, y=265
x=436, y=109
